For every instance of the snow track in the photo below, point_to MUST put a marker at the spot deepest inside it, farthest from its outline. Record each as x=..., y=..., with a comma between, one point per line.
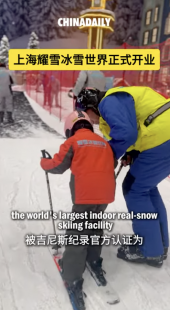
x=27, y=122
x=29, y=278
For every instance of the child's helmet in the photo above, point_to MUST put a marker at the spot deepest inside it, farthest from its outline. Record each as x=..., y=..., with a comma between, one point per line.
x=76, y=120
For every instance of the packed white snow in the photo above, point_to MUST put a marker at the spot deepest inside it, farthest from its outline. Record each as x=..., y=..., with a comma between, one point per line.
x=28, y=276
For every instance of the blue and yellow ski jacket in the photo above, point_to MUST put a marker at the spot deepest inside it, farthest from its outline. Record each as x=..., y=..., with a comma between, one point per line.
x=123, y=111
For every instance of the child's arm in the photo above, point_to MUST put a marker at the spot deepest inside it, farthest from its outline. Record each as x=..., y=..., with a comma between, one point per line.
x=61, y=161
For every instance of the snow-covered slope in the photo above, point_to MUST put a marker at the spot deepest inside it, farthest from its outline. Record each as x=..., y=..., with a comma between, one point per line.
x=28, y=276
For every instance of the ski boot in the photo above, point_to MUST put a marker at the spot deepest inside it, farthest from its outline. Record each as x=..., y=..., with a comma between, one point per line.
x=75, y=288
x=97, y=271
x=1, y=117
x=133, y=254
x=10, y=120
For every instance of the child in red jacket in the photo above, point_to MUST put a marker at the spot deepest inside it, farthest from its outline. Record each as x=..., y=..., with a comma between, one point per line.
x=91, y=161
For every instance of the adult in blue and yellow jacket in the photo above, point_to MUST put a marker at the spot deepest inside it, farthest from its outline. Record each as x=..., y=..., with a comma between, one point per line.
x=121, y=113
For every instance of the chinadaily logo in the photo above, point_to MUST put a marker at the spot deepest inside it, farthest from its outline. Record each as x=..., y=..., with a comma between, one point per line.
x=84, y=22
x=97, y=16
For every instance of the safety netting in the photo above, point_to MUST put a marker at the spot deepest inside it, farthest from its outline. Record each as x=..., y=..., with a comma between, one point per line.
x=50, y=89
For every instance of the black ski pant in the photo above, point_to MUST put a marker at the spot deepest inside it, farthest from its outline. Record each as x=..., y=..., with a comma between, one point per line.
x=75, y=256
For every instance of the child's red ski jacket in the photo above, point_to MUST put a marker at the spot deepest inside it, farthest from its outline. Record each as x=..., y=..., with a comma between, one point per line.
x=91, y=161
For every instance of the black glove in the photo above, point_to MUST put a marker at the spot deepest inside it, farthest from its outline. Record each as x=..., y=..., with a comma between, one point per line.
x=126, y=159
x=45, y=154
x=129, y=157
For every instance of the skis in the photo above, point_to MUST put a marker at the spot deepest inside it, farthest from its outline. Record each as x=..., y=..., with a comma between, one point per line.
x=106, y=292
x=70, y=294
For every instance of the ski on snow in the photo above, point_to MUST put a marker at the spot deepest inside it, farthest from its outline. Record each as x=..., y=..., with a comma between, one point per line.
x=70, y=293
x=107, y=293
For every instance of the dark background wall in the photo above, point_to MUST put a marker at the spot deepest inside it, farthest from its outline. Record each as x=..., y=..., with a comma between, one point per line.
x=21, y=17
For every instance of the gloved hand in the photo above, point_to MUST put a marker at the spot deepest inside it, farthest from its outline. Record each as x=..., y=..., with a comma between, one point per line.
x=43, y=163
x=45, y=157
x=126, y=159
x=45, y=154
x=129, y=158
